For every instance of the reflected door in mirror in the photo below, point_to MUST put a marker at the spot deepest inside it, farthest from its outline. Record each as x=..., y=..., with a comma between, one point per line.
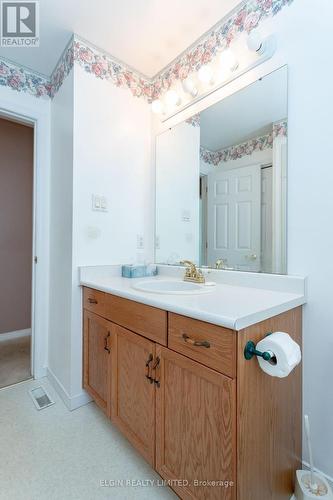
x=234, y=218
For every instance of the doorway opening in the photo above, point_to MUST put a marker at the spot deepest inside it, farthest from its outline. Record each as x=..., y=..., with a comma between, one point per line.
x=16, y=250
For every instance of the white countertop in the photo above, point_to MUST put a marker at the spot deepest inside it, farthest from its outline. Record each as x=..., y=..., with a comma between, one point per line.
x=231, y=306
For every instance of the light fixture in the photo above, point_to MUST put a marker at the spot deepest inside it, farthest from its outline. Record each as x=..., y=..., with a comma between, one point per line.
x=205, y=74
x=256, y=43
x=189, y=87
x=172, y=98
x=157, y=106
x=228, y=60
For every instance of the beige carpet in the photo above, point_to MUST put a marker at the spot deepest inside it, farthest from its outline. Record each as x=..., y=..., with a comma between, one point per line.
x=14, y=361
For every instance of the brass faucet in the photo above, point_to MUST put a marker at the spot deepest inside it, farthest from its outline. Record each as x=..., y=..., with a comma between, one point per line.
x=192, y=273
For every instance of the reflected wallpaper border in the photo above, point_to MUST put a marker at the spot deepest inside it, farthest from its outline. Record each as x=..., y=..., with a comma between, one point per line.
x=246, y=148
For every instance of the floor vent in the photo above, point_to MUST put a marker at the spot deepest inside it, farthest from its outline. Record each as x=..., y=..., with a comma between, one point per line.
x=40, y=398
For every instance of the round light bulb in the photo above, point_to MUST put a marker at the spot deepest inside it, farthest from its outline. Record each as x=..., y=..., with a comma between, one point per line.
x=223, y=74
x=228, y=60
x=172, y=98
x=156, y=106
x=255, y=43
x=189, y=87
x=205, y=74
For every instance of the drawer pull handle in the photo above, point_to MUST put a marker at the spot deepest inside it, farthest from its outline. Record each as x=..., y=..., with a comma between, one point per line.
x=196, y=343
x=106, y=348
x=92, y=301
x=149, y=360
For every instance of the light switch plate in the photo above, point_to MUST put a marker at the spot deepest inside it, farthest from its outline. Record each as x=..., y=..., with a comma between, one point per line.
x=139, y=241
x=99, y=203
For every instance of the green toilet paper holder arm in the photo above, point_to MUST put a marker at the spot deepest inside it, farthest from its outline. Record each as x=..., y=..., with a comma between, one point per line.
x=250, y=351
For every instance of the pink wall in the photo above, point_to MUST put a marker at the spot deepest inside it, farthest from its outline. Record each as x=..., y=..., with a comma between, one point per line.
x=16, y=209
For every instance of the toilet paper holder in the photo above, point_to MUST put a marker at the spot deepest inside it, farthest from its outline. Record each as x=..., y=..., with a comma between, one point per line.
x=250, y=351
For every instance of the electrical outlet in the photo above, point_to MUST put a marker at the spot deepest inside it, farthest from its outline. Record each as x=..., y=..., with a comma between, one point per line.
x=186, y=216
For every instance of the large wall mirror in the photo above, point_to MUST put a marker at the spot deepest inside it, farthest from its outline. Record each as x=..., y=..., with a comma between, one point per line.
x=221, y=182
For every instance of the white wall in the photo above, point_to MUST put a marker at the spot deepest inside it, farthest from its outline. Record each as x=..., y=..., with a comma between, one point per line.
x=305, y=41
x=101, y=144
x=310, y=203
x=177, y=194
x=112, y=157
x=24, y=106
x=112, y=141
x=61, y=208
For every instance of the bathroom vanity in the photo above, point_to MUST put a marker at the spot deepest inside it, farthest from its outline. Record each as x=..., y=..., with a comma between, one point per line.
x=169, y=368
x=181, y=391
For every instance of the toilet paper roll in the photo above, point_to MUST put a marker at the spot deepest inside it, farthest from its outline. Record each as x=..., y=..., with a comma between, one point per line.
x=286, y=352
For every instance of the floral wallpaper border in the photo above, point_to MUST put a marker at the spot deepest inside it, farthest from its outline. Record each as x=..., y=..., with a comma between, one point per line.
x=194, y=120
x=280, y=129
x=22, y=80
x=244, y=19
x=245, y=148
x=63, y=68
x=104, y=67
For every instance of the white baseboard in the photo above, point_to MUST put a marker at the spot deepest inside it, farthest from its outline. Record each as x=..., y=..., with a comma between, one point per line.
x=15, y=335
x=72, y=402
x=41, y=373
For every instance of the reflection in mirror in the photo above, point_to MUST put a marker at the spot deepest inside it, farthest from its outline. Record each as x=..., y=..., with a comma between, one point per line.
x=221, y=182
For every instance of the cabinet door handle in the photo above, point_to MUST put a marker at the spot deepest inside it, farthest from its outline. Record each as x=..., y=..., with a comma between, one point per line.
x=149, y=360
x=196, y=343
x=155, y=367
x=92, y=301
x=106, y=347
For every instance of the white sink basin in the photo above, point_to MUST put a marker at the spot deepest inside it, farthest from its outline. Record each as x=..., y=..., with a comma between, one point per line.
x=170, y=287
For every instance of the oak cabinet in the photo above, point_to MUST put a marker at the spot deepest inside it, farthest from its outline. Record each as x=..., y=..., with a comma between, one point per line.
x=150, y=322
x=211, y=345
x=96, y=359
x=211, y=423
x=195, y=427
x=133, y=390
x=94, y=301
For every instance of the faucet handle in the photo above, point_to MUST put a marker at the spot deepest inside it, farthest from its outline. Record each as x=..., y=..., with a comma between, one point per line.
x=186, y=262
x=190, y=266
x=220, y=263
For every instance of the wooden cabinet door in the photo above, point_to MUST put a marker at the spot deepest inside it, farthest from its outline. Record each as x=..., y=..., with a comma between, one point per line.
x=133, y=394
x=195, y=427
x=97, y=345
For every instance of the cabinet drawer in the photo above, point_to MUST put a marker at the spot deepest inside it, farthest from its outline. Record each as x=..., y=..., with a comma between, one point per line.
x=211, y=345
x=148, y=321
x=94, y=301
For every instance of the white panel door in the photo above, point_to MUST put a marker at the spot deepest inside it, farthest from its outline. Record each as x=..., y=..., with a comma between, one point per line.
x=234, y=218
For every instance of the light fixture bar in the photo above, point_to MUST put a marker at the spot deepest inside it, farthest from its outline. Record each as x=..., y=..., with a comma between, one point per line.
x=268, y=55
